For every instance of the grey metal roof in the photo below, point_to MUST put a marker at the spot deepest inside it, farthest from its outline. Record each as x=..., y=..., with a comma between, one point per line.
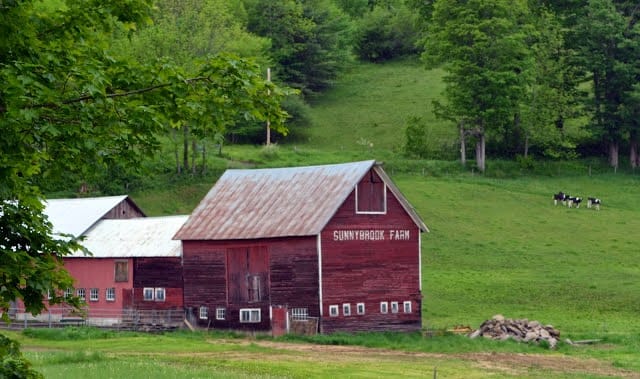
x=134, y=237
x=76, y=216
x=278, y=202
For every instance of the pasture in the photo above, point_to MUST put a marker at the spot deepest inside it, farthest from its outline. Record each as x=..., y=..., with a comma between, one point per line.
x=497, y=245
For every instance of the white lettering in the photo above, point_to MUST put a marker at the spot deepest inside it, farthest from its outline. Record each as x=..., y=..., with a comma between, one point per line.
x=358, y=235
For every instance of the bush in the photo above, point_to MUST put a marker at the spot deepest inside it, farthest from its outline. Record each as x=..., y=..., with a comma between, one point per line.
x=12, y=363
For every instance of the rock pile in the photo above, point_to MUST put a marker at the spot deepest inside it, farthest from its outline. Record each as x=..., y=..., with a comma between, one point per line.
x=522, y=330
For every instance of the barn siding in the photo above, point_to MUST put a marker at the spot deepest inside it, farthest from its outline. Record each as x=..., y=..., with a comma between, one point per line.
x=125, y=209
x=157, y=272
x=371, y=271
x=292, y=278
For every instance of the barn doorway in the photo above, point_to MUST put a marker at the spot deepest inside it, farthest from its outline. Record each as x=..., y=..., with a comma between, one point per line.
x=248, y=273
x=279, y=321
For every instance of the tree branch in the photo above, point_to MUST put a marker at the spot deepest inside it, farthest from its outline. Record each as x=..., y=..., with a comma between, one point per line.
x=3, y=109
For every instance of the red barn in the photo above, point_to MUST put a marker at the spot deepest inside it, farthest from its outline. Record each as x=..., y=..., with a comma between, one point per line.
x=135, y=266
x=337, y=244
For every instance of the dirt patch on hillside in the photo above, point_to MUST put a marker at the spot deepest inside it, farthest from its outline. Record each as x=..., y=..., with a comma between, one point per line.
x=507, y=363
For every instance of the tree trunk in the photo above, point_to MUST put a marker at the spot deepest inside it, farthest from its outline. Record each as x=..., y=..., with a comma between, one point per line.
x=194, y=155
x=634, y=158
x=185, y=147
x=613, y=154
x=463, y=145
x=204, y=157
x=526, y=146
x=176, y=150
x=480, y=145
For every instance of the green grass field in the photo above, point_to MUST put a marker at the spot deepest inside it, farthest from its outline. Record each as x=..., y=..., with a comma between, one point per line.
x=497, y=245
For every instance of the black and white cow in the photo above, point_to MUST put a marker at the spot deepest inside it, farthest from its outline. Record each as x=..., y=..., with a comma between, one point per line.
x=571, y=201
x=593, y=202
x=560, y=196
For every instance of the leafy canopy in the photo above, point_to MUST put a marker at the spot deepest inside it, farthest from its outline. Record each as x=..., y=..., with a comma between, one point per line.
x=69, y=103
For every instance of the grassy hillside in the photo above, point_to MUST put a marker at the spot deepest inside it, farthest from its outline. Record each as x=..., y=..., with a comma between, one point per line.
x=371, y=104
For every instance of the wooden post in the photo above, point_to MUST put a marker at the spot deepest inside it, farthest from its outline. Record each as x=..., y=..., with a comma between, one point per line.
x=268, y=123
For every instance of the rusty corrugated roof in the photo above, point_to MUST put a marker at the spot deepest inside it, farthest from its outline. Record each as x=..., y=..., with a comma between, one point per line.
x=134, y=237
x=278, y=202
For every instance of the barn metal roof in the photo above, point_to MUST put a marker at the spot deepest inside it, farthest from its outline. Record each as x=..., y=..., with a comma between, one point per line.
x=277, y=202
x=134, y=237
x=76, y=216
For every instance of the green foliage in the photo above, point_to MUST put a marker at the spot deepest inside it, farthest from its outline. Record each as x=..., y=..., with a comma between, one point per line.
x=69, y=333
x=386, y=33
x=310, y=40
x=421, y=141
x=12, y=364
x=70, y=107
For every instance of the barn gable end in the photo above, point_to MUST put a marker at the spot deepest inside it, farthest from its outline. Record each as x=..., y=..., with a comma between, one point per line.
x=263, y=243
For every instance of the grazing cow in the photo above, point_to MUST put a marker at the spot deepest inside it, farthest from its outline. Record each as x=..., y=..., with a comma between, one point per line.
x=560, y=196
x=593, y=202
x=573, y=200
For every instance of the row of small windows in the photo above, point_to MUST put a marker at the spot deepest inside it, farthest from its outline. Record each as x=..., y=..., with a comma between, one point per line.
x=249, y=315
x=334, y=310
x=94, y=294
x=149, y=294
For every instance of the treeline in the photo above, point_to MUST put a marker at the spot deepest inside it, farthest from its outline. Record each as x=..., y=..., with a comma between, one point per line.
x=554, y=79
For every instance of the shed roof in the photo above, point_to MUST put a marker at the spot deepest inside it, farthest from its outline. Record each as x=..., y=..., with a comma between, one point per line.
x=278, y=202
x=76, y=216
x=134, y=237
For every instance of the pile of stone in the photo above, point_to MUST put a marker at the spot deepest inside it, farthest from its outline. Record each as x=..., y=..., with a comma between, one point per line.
x=523, y=330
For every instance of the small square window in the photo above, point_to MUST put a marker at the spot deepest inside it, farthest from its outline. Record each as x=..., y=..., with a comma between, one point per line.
x=81, y=293
x=160, y=294
x=384, y=307
x=300, y=314
x=221, y=313
x=346, y=309
x=148, y=294
x=333, y=310
x=250, y=315
x=111, y=294
x=407, y=307
x=68, y=292
x=94, y=294
x=360, y=308
x=203, y=313
x=394, y=307
x=121, y=271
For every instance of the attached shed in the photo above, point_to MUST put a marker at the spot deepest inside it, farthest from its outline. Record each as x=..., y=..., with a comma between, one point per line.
x=334, y=246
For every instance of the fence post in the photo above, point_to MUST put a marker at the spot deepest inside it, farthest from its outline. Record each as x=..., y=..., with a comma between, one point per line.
x=49, y=318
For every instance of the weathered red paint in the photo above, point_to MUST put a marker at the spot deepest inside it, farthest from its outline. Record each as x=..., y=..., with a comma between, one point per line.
x=366, y=270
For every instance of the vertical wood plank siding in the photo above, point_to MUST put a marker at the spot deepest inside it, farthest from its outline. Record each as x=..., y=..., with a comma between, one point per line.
x=292, y=278
x=371, y=272
x=123, y=210
x=163, y=272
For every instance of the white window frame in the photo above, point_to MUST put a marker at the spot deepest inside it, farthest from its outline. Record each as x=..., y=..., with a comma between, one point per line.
x=148, y=294
x=334, y=311
x=384, y=203
x=250, y=315
x=160, y=294
x=407, y=306
x=221, y=313
x=384, y=307
x=360, y=308
x=68, y=292
x=203, y=313
x=81, y=293
x=394, y=307
x=346, y=309
x=92, y=292
x=110, y=294
x=300, y=314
